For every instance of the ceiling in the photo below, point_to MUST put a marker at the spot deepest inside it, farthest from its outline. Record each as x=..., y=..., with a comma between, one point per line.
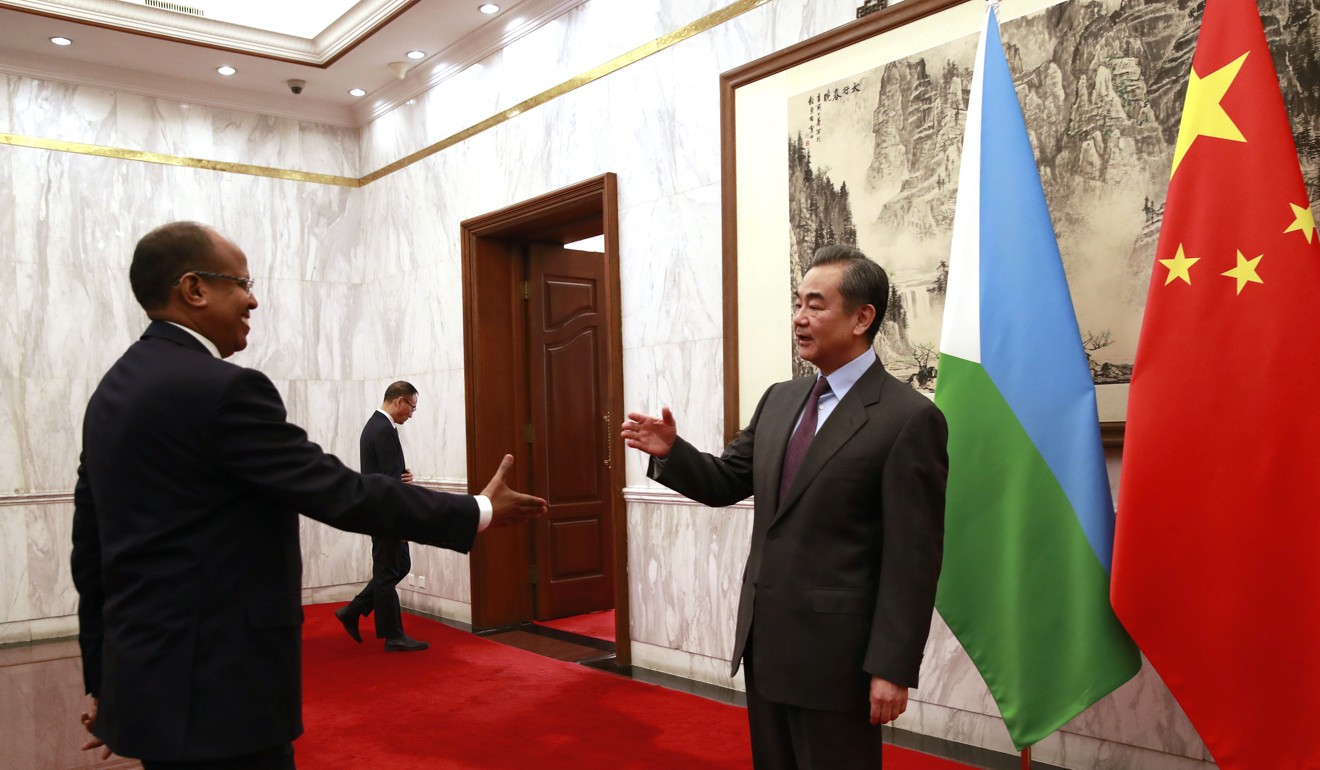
x=126, y=46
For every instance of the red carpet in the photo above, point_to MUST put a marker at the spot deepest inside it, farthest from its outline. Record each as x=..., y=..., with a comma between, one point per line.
x=597, y=625
x=469, y=702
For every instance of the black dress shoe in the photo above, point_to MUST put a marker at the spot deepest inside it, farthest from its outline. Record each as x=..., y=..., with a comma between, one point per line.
x=405, y=643
x=350, y=622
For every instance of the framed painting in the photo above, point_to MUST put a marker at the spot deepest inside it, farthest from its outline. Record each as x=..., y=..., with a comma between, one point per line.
x=855, y=137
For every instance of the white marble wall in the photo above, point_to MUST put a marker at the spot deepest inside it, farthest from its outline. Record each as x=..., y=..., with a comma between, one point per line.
x=72, y=113
x=68, y=223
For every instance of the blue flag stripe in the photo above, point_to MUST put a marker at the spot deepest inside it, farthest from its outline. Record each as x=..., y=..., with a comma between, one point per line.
x=1030, y=343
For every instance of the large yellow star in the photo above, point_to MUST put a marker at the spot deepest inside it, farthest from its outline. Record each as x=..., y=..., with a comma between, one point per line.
x=1245, y=272
x=1202, y=113
x=1305, y=221
x=1179, y=267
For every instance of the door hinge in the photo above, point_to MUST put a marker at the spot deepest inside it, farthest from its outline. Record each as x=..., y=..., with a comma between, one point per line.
x=527, y=290
x=533, y=571
x=528, y=434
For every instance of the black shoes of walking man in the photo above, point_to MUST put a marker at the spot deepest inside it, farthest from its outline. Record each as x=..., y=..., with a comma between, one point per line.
x=402, y=643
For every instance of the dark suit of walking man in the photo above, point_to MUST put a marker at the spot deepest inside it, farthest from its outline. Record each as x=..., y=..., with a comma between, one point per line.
x=382, y=453
x=847, y=535
x=185, y=526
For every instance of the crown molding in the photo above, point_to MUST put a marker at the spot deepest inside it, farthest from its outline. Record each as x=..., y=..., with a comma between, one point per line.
x=458, y=57
x=347, y=31
x=170, y=88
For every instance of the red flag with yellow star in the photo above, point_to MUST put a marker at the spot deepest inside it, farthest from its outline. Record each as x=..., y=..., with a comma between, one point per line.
x=1217, y=549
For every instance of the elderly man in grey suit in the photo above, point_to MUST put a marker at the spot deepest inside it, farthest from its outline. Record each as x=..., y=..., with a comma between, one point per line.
x=848, y=469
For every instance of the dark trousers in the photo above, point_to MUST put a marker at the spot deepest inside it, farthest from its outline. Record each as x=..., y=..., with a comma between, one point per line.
x=390, y=563
x=788, y=737
x=278, y=758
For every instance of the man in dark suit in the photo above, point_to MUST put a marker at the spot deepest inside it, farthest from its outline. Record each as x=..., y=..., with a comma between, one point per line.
x=390, y=562
x=185, y=527
x=848, y=469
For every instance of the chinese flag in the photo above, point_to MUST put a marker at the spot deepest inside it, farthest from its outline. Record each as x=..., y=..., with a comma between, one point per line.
x=1217, y=549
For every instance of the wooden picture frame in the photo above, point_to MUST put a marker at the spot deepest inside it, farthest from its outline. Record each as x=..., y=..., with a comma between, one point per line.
x=756, y=334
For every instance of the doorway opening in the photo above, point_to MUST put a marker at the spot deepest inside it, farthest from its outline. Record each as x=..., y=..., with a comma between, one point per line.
x=543, y=352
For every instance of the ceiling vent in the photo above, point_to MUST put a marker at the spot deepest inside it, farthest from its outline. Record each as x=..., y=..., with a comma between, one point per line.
x=174, y=7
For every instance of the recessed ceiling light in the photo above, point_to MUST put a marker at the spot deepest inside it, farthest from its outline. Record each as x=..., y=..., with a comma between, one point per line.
x=357, y=92
x=416, y=55
x=226, y=70
x=61, y=41
x=489, y=8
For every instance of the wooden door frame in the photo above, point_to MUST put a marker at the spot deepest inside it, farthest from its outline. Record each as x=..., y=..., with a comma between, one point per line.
x=497, y=383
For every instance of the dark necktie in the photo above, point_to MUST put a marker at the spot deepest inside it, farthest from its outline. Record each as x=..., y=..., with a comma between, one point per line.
x=801, y=440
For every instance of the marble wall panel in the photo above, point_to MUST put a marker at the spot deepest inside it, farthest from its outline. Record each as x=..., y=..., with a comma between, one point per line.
x=671, y=249
x=15, y=579
x=447, y=573
x=176, y=128
x=14, y=323
x=13, y=439
x=1141, y=713
x=435, y=605
x=948, y=677
x=411, y=217
x=333, y=557
x=52, y=413
x=687, y=665
x=688, y=378
x=581, y=144
x=79, y=317
x=685, y=564
x=795, y=22
x=91, y=115
x=49, y=535
x=332, y=412
x=639, y=133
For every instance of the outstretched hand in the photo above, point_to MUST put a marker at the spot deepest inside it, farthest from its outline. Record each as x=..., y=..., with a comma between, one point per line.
x=654, y=436
x=510, y=507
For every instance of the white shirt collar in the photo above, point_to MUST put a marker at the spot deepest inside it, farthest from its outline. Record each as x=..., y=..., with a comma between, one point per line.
x=197, y=335
x=846, y=376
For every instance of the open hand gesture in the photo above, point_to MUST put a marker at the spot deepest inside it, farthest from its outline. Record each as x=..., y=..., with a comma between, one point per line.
x=653, y=435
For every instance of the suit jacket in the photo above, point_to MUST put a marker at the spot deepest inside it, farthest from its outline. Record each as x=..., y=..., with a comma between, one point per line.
x=186, y=554
x=840, y=579
x=381, y=450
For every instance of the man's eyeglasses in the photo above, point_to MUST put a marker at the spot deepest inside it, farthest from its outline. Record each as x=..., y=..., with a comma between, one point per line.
x=412, y=405
x=245, y=283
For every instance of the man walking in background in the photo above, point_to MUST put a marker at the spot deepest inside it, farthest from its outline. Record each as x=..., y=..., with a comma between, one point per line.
x=382, y=453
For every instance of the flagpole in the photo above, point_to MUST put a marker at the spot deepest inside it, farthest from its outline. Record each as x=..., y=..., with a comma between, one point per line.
x=1026, y=758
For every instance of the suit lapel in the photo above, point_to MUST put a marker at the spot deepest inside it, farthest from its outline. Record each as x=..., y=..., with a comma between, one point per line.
x=848, y=417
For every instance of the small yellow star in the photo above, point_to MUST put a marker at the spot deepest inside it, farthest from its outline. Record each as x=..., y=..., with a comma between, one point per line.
x=1179, y=267
x=1305, y=221
x=1202, y=113
x=1245, y=272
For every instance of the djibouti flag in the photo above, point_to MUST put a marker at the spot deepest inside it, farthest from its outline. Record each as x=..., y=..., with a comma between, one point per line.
x=1029, y=522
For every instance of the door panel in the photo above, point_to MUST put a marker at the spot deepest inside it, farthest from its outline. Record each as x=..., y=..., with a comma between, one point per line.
x=570, y=428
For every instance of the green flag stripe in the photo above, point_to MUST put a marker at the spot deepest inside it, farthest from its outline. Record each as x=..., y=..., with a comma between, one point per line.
x=1021, y=587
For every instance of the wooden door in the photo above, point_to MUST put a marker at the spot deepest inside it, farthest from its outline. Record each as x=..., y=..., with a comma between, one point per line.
x=571, y=430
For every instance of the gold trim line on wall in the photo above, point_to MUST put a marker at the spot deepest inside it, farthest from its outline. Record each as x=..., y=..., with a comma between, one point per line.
x=705, y=23
x=16, y=140
x=708, y=22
